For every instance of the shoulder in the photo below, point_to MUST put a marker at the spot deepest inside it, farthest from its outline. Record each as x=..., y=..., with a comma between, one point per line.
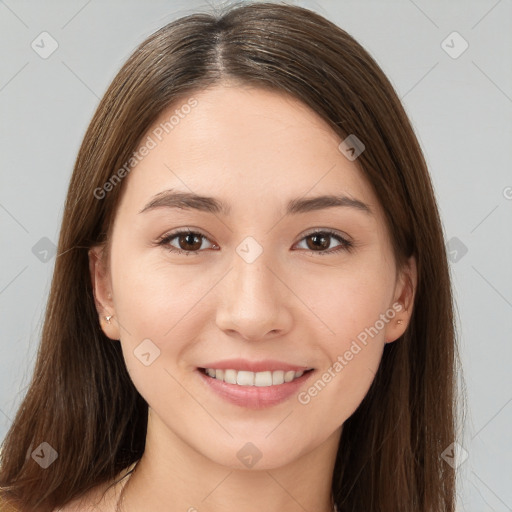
x=102, y=498
x=92, y=501
x=95, y=500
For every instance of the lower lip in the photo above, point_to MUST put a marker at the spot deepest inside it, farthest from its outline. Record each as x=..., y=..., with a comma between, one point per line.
x=255, y=397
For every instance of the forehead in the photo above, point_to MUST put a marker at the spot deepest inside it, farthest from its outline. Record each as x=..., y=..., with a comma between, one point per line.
x=245, y=145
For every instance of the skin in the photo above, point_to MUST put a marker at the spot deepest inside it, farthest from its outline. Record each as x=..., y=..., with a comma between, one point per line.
x=254, y=150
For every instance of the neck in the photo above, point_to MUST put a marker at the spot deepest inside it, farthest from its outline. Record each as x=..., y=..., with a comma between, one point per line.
x=171, y=476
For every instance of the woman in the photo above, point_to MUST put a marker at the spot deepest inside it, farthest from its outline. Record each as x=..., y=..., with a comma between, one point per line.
x=251, y=307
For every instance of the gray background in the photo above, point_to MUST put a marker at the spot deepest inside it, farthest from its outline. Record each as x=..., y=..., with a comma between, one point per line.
x=460, y=107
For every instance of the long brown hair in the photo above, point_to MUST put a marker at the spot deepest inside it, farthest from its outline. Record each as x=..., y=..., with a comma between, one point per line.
x=81, y=400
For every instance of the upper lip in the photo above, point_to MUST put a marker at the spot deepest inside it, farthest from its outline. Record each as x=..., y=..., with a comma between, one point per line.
x=254, y=366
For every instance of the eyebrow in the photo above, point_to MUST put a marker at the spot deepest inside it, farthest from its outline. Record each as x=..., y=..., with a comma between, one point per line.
x=191, y=201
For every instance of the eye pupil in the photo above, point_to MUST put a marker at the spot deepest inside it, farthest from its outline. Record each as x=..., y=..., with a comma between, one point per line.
x=190, y=242
x=188, y=239
x=320, y=241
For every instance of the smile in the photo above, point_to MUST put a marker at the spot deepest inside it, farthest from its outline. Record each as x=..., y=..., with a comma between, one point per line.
x=259, y=379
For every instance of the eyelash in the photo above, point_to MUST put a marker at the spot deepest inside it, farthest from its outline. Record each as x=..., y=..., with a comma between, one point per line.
x=346, y=245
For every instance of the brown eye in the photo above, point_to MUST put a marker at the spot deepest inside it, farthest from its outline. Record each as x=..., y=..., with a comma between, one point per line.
x=183, y=242
x=189, y=241
x=319, y=242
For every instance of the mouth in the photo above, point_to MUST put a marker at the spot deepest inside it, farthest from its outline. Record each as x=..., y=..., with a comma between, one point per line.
x=246, y=378
x=254, y=390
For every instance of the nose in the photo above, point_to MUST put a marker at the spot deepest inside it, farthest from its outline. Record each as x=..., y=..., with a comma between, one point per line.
x=254, y=304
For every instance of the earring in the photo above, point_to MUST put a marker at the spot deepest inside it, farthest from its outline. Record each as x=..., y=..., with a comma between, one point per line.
x=399, y=322
x=107, y=318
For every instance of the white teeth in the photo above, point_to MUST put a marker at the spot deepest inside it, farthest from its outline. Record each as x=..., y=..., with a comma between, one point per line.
x=229, y=376
x=244, y=378
x=260, y=379
x=263, y=379
x=278, y=377
x=288, y=376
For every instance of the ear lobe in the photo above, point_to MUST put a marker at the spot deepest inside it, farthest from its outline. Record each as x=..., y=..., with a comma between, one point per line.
x=100, y=280
x=405, y=292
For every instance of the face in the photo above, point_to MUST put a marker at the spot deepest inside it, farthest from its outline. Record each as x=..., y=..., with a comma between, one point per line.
x=262, y=276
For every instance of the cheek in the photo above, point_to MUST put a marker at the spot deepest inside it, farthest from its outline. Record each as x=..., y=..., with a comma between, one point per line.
x=338, y=311
x=157, y=305
x=354, y=310
x=152, y=296
x=349, y=301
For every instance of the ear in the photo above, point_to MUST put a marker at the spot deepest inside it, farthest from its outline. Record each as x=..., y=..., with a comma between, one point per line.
x=403, y=300
x=102, y=290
